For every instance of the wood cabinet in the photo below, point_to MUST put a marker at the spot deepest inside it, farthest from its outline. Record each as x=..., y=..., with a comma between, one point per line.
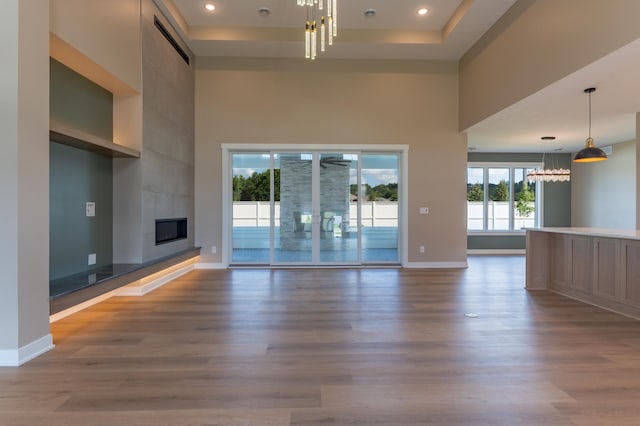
x=560, y=265
x=630, y=291
x=606, y=268
x=600, y=269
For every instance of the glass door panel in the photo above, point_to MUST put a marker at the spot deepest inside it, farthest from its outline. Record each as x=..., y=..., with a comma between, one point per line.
x=293, y=238
x=379, y=207
x=339, y=240
x=251, y=212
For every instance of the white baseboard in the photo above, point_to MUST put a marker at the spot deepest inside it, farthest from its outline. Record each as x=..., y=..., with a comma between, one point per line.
x=211, y=266
x=496, y=252
x=17, y=357
x=148, y=284
x=436, y=265
x=424, y=265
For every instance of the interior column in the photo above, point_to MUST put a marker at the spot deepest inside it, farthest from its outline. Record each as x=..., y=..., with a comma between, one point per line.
x=24, y=180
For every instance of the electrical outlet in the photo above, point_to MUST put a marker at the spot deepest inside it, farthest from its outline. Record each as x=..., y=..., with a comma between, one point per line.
x=214, y=249
x=91, y=209
x=421, y=249
x=424, y=210
x=92, y=259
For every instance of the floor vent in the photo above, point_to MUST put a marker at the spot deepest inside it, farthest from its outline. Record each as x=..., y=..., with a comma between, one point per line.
x=163, y=30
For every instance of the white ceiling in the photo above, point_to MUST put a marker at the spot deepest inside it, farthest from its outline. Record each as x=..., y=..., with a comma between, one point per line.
x=395, y=32
x=445, y=33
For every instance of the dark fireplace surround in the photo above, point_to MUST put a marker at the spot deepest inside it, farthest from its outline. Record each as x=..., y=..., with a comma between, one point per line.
x=168, y=230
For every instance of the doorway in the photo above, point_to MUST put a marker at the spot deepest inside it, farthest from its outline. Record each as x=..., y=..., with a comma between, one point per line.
x=313, y=207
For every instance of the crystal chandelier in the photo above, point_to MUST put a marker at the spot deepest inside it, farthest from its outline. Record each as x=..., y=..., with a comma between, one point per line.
x=549, y=175
x=328, y=25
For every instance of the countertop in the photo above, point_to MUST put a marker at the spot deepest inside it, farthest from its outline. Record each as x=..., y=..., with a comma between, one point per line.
x=629, y=234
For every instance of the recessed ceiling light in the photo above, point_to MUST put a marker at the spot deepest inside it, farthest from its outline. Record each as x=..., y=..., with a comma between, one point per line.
x=369, y=13
x=422, y=11
x=264, y=11
x=209, y=7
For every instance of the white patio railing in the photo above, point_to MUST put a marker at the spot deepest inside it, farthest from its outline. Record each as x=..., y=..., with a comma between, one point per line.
x=497, y=216
x=374, y=213
x=385, y=213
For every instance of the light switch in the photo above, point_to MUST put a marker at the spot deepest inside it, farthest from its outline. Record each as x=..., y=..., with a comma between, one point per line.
x=91, y=209
x=92, y=259
x=424, y=210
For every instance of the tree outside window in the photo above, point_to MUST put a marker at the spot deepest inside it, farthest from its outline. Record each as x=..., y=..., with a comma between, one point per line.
x=501, y=192
x=475, y=193
x=525, y=199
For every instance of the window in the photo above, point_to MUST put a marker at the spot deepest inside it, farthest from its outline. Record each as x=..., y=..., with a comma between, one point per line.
x=500, y=199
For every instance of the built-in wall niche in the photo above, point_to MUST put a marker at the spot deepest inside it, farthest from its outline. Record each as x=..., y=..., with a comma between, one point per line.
x=168, y=230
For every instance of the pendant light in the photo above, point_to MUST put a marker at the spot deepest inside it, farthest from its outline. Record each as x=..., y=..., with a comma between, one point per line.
x=553, y=174
x=590, y=153
x=322, y=17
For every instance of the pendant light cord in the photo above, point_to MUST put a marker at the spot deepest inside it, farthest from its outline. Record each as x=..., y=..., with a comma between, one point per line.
x=589, y=115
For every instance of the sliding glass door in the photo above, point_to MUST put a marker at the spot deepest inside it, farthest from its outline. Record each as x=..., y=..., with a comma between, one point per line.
x=314, y=208
x=339, y=234
x=379, y=206
x=293, y=239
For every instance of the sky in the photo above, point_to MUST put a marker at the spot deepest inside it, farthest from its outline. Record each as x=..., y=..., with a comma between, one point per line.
x=376, y=168
x=475, y=175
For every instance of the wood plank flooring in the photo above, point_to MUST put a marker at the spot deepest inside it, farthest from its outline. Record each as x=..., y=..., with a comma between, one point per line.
x=386, y=347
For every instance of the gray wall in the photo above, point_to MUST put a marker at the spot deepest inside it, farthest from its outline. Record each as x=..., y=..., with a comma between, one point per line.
x=78, y=176
x=79, y=103
x=557, y=199
x=604, y=193
x=160, y=185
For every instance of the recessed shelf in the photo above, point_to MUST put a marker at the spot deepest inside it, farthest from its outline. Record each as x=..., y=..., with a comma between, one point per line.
x=70, y=136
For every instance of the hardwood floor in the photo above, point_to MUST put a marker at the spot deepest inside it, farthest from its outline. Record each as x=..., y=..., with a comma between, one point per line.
x=335, y=347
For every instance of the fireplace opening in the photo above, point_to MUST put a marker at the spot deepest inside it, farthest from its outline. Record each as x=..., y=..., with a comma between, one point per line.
x=168, y=230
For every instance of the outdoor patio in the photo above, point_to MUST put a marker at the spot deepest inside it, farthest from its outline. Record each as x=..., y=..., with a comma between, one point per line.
x=379, y=245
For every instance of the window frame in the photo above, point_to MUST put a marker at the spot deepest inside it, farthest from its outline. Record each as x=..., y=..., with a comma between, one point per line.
x=539, y=219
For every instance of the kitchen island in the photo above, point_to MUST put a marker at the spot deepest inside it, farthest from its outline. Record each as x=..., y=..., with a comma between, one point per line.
x=597, y=266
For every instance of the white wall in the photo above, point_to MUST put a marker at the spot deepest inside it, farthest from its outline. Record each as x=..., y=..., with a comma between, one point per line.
x=603, y=194
x=106, y=33
x=537, y=43
x=24, y=179
x=339, y=102
x=101, y=40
